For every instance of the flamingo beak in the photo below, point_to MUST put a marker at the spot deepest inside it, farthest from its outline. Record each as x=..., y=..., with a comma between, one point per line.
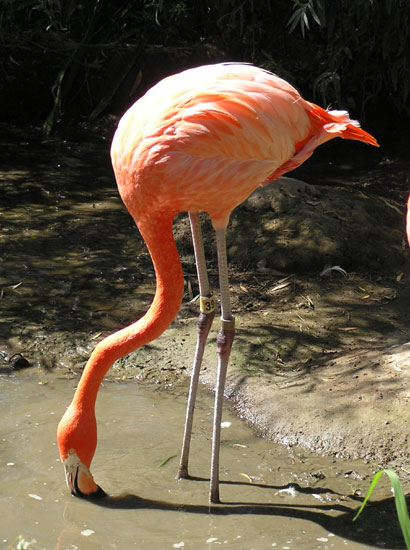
x=79, y=478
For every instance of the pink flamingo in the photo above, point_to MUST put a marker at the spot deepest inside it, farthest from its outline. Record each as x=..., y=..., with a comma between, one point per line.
x=201, y=140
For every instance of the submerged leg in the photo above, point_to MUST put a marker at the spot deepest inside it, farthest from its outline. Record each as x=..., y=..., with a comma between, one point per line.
x=224, y=342
x=206, y=316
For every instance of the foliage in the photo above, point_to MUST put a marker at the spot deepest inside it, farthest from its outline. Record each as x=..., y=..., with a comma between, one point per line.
x=399, y=500
x=72, y=39
x=301, y=13
x=72, y=58
x=364, y=47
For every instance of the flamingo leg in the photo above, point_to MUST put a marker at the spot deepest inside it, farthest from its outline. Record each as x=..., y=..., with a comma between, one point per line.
x=224, y=342
x=206, y=316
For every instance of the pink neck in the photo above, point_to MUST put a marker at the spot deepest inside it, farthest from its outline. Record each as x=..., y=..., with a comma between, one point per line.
x=168, y=296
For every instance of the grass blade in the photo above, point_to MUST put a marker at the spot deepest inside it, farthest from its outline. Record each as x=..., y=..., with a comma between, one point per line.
x=399, y=500
x=166, y=460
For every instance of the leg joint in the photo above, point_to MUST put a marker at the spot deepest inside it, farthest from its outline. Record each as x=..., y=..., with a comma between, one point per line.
x=226, y=336
x=205, y=322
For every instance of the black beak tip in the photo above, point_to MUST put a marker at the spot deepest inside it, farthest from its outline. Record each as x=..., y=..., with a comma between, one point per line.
x=96, y=495
x=99, y=493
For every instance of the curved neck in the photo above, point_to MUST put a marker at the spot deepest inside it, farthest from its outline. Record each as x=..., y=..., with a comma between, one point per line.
x=158, y=236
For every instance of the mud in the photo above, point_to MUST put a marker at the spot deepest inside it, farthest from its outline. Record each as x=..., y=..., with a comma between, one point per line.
x=321, y=359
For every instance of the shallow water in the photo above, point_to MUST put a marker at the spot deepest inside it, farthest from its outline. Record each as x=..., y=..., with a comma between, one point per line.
x=139, y=428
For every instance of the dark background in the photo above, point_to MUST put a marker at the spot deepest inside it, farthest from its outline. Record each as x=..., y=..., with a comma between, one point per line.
x=65, y=62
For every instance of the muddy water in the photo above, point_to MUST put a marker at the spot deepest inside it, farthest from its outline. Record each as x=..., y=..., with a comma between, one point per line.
x=139, y=429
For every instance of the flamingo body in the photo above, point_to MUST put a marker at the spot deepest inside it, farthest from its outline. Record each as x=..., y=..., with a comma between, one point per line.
x=205, y=138
x=201, y=140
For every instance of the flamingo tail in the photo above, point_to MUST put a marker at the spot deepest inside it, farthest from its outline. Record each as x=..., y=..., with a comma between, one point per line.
x=340, y=124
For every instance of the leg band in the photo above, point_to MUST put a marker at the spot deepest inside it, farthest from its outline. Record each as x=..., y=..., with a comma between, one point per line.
x=206, y=304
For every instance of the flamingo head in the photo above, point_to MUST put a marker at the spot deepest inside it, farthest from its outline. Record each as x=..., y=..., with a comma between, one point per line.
x=77, y=440
x=79, y=479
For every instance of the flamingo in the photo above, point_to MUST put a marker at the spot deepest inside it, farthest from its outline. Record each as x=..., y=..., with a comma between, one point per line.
x=200, y=140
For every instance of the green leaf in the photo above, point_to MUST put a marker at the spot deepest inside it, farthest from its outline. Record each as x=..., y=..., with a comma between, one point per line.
x=166, y=460
x=399, y=500
x=314, y=15
x=295, y=18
